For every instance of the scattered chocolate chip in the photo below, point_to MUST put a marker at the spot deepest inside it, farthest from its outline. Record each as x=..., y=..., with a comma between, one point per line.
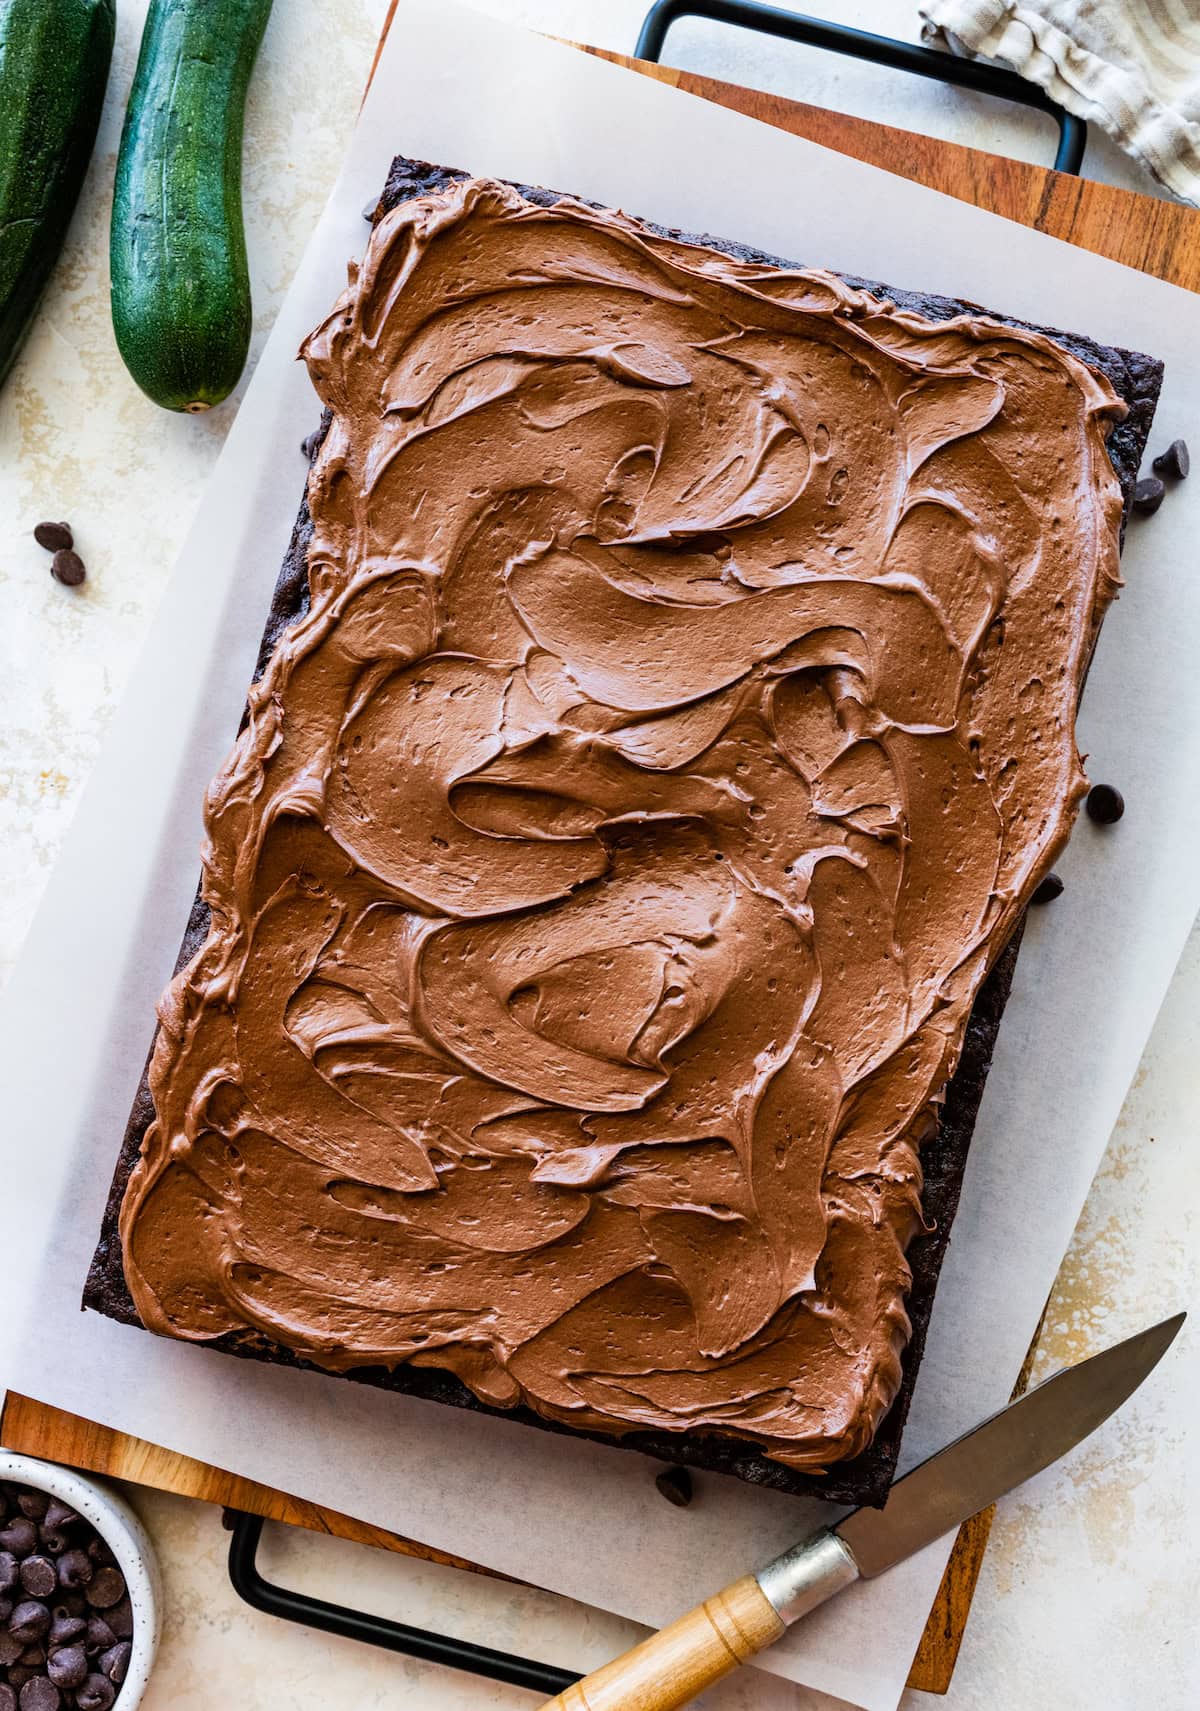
x=60, y=1514
x=74, y=1603
x=33, y=1504
x=54, y=537
x=1148, y=495
x=67, y=1666
x=39, y=1694
x=8, y=1697
x=675, y=1483
x=106, y=1588
x=114, y=1663
x=29, y=1621
x=309, y=444
x=68, y=568
x=19, y=1537
x=65, y=1628
x=99, y=1635
x=39, y=1576
x=10, y=1648
x=96, y=1694
x=53, y=1540
x=74, y=1570
x=120, y=1619
x=1050, y=888
x=33, y=1657
x=9, y=1569
x=1105, y=804
x=98, y=1551
x=1174, y=462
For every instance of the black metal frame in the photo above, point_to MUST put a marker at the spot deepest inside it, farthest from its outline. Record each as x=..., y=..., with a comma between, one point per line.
x=879, y=50
x=248, y=1582
x=273, y=1600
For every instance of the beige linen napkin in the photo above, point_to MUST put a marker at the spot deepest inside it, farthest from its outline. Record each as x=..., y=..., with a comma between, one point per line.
x=1132, y=66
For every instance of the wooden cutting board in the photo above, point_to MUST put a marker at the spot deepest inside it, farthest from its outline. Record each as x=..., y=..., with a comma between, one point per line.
x=1161, y=238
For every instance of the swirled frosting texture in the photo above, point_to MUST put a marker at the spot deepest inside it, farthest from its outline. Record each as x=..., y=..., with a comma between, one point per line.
x=601, y=882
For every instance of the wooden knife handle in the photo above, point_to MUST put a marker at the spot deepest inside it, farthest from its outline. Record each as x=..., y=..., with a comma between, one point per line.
x=677, y=1663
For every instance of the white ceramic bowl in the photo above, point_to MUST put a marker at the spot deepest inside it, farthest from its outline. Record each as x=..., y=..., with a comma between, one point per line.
x=125, y=1536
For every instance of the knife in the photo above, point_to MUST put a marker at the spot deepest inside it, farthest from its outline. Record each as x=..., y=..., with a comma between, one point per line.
x=672, y=1666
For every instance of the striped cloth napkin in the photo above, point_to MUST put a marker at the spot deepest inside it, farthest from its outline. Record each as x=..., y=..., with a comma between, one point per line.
x=1132, y=66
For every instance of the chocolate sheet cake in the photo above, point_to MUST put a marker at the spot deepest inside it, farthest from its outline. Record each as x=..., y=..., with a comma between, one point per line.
x=665, y=715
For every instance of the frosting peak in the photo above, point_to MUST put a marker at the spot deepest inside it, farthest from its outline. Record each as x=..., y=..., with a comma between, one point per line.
x=600, y=885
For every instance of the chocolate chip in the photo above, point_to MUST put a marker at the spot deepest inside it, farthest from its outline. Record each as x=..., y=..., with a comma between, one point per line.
x=68, y=568
x=120, y=1619
x=74, y=1603
x=9, y=1569
x=29, y=1621
x=39, y=1576
x=96, y=1694
x=106, y=1588
x=40, y=1694
x=309, y=444
x=1105, y=804
x=1175, y=461
x=99, y=1635
x=33, y=1657
x=65, y=1628
x=54, y=536
x=1148, y=495
x=33, y=1504
x=19, y=1537
x=59, y=1515
x=67, y=1666
x=114, y=1663
x=675, y=1483
x=8, y=1697
x=74, y=1570
x=10, y=1648
x=1050, y=888
x=18, y=1675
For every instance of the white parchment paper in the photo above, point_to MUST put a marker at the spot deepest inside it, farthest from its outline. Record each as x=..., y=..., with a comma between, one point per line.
x=459, y=88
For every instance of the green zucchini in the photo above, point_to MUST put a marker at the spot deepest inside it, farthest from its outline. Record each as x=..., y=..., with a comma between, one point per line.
x=54, y=59
x=180, y=285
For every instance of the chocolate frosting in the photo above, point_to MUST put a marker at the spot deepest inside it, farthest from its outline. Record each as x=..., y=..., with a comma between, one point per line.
x=682, y=717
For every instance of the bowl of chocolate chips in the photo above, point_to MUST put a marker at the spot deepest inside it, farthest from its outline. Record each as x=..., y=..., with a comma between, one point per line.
x=79, y=1592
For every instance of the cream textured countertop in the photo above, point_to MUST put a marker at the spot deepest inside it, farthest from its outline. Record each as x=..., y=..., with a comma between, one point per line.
x=1092, y=1580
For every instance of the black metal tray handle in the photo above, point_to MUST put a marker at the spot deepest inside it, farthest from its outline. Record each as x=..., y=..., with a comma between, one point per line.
x=879, y=50
x=273, y=1600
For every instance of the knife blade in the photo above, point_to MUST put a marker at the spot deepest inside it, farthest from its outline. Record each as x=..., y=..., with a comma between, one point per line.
x=1002, y=1452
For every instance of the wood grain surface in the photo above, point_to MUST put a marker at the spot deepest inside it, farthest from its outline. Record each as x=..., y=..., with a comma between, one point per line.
x=1162, y=238
x=1158, y=237
x=35, y=1429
